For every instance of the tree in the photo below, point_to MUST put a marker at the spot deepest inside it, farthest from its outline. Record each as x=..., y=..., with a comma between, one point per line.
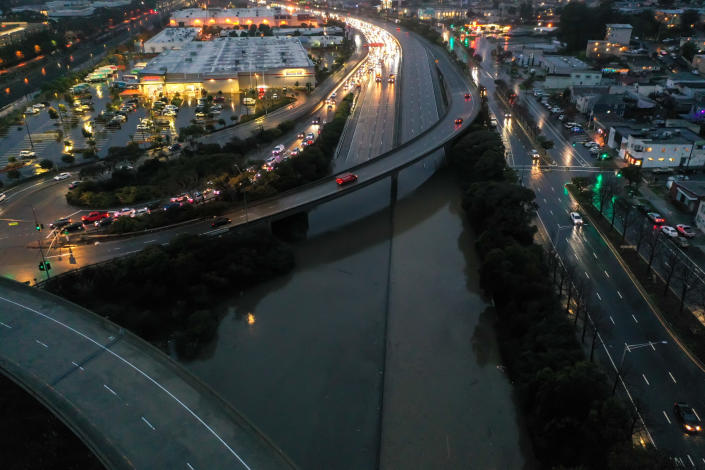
x=689, y=50
x=13, y=174
x=46, y=164
x=607, y=189
x=689, y=20
x=670, y=261
x=632, y=173
x=687, y=278
x=526, y=11
x=653, y=240
x=629, y=215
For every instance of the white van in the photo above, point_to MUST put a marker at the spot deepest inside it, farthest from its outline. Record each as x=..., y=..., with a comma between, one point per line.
x=278, y=150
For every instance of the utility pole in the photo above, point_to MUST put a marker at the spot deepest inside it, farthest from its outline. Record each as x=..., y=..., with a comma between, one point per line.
x=47, y=267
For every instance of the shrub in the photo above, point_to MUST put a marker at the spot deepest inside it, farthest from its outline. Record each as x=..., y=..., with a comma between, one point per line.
x=46, y=164
x=68, y=159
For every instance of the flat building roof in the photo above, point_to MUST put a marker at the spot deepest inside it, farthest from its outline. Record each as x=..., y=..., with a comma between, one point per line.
x=229, y=56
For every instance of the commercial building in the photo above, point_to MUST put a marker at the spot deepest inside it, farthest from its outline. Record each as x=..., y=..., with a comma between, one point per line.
x=241, y=17
x=441, y=13
x=170, y=38
x=228, y=64
x=658, y=148
x=615, y=43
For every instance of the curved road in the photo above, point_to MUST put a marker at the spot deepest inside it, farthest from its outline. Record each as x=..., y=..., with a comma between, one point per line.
x=130, y=403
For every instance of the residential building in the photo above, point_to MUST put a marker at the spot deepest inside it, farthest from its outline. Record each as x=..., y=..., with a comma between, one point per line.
x=616, y=42
x=601, y=103
x=555, y=81
x=700, y=216
x=699, y=63
x=658, y=147
x=671, y=18
x=688, y=193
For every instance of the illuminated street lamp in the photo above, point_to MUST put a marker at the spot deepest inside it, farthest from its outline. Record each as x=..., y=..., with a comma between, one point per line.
x=630, y=348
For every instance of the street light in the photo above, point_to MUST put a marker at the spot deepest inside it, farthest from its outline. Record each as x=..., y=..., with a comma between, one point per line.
x=558, y=231
x=630, y=348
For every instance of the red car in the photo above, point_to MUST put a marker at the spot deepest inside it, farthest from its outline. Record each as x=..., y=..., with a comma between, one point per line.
x=346, y=178
x=94, y=216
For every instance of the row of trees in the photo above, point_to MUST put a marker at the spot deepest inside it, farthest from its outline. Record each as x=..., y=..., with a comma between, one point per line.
x=573, y=419
x=201, y=270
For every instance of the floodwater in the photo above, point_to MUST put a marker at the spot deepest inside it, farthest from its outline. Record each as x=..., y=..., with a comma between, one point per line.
x=304, y=357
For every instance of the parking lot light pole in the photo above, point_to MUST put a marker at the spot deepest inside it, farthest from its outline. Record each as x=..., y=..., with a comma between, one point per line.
x=244, y=194
x=630, y=348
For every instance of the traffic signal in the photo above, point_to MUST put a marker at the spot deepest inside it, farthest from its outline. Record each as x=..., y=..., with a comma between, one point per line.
x=618, y=173
x=604, y=156
x=39, y=227
x=45, y=266
x=573, y=144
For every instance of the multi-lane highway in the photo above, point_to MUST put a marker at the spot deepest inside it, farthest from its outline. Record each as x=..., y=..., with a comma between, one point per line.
x=654, y=377
x=22, y=267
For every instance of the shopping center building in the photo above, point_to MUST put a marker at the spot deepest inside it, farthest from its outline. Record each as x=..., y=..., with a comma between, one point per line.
x=241, y=17
x=229, y=64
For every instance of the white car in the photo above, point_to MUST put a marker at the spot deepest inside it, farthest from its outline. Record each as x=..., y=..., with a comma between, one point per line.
x=670, y=231
x=561, y=117
x=27, y=154
x=576, y=218
x=123, y=212
x=140, y=212
x=594, y=150
x=39, y=106
x=3, y=196
x=169, y=112
x=142, y=127
x=31, y=110
x=62, y=176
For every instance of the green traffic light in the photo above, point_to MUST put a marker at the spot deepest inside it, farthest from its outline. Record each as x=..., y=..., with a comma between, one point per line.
x=38, y=227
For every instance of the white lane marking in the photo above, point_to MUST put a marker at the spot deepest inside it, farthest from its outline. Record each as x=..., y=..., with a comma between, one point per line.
x=545, y=201
x=553, y=189
x=606, y=273
x=598, y=295
x=635, y=320
x=594, y=254
x=652, y=346
x=74, y=363
x=41, y=343
x=691, y=460
x=138, y=370
x=189, y=466
x=647, y=382
x=586, y=275
x=620, y=295
x=612, y=320
x=5, y=325
x=148, y=423
x=696, y=414
x=110, y=390
x=550, y=211
x=667, y=419
x=150, y=241
x=672, y=378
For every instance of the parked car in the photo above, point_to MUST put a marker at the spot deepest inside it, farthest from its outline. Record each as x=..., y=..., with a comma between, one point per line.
x=218, y=221
x=62, y=176
x=346, y=178
x=74, y=184
x=93, y=216
x=681, y=242
x=656, y=218
x=687, y=417
x=28, y=154
x=670, y=231
x=685, y=230
x=576, y=218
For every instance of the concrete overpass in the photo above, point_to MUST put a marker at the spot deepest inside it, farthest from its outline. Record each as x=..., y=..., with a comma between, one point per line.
x=133, y=406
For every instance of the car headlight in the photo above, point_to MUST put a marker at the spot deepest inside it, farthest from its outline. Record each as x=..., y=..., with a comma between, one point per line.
x=688, y=427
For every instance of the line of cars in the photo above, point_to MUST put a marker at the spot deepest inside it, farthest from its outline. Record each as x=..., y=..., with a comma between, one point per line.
x=677, y=234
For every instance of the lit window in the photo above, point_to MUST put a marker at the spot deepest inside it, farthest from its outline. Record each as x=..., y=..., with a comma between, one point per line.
x=671, y=159
x=661, y=159
x=663, y=149
x=651, y=159
x=648, y=149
